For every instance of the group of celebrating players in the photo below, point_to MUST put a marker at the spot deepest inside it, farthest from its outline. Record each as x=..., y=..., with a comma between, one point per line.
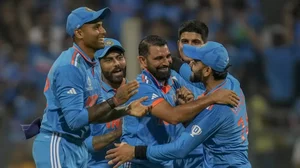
x=185, y=112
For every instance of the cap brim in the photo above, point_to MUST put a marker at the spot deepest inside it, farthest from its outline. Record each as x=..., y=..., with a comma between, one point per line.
x=100, y=15
x=190, y=51
x=107, y=49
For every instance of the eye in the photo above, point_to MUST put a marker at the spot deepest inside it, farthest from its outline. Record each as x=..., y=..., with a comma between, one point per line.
x=120, y=57
x=108, y=60
x=184, y=41
x=197, y=42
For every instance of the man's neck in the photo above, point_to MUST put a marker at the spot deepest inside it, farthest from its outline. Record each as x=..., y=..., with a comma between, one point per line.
x=111, y=84
x=163, y=83
x=88, y=51
x=210, y=84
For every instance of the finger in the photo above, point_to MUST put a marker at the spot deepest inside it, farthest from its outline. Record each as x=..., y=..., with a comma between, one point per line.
x=132, y=86
x=114, y=150
x=117, y=144
x=132, y=83
x=186, y=93
x=189, y=97
x=232, y=102
x=110, y=156
x=236, y=97
x=123, y=82
x=116, y=160
x=235, y=102
x=132, y=93
x=118, y=164
x=110, y=162
x=142, y=99
x=180, y=101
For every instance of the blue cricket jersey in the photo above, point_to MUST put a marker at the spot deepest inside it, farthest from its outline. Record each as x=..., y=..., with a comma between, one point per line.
x=150, y=130
x=97, y=158
x=222, y=130
x=71, y=87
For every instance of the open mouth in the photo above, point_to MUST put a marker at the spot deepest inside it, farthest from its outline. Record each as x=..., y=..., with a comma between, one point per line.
x=117, y=72
x=163, y=69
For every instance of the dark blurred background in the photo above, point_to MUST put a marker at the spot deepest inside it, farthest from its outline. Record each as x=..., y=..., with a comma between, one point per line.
x=262, y=37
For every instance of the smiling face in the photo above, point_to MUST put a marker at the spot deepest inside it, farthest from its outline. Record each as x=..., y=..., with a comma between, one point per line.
x=158, y=62
x=92, y=34
x=113, y=67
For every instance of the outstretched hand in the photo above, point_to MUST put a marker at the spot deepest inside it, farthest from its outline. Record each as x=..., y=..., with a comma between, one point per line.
x=120, y=155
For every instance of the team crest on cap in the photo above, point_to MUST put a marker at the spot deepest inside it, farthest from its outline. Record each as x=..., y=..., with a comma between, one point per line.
x=88, y=9
x=108, y=43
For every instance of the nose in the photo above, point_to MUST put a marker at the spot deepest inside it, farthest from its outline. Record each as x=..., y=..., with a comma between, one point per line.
x=166, y=62
x=102, y=31
x=116, y=63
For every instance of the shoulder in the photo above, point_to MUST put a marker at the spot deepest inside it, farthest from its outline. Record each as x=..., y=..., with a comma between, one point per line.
x=219, y=110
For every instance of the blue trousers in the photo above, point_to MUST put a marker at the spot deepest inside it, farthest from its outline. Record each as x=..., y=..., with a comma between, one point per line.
x=52, y=150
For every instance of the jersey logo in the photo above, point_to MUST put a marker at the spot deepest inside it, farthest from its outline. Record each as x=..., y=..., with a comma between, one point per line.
x=174, y=78
x=196, y=130
x=154, y=96
x=72, y=91
x=89, y=83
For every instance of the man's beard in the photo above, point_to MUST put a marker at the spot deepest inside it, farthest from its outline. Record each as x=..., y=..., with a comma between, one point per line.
x=112, y=78
x=160, y=75
x=195, y=78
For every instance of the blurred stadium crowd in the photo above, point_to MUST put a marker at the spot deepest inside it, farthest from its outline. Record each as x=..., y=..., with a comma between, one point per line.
x=262, y=37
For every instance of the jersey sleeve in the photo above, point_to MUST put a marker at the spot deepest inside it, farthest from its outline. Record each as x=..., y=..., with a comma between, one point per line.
x=69, y=85
x=201, y=128
x=154, y=96
x=101, y=96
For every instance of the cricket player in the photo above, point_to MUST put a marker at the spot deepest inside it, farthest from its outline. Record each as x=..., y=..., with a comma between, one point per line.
x=157, y=83
x=113, y=71
x=195, y=33
x=191, y=32
x=73, y=95
x=221, y=129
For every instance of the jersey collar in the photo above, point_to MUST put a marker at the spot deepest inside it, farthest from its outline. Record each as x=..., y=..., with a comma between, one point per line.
x=84, y=55
x=165, y=88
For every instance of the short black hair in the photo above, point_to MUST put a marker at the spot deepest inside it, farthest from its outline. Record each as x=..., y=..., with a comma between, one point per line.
x=220, y=75
x=151, y=40
x=194, y=26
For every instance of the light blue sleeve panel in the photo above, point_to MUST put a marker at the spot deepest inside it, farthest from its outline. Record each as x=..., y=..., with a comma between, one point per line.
x=69, y=88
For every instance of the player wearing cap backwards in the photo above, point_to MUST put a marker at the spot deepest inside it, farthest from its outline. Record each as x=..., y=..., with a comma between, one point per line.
x=73, y=95
x=113, y=71
x=221, y=129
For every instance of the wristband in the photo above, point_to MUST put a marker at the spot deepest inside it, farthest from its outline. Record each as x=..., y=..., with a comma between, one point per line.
x=111, y=103
x=140, y=152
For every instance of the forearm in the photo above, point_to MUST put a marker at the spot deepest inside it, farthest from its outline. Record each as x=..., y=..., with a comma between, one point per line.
x=160, y=153
x=101, y=141
x=187, y=112
x=113, y=114
x=105, y=112
x=183, y=113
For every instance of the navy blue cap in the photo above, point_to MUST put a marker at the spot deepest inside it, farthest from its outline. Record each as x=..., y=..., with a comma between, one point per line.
x=212, y=54
x=82, y=15
x=108, y=43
